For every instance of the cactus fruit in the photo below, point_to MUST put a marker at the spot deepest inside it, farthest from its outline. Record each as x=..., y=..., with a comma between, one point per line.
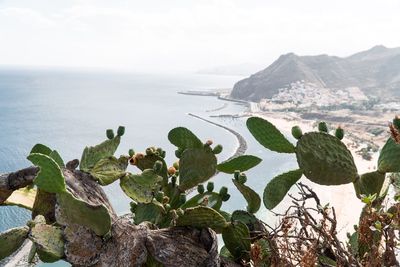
x=171, y=171
x=241, y=163
x=92, y=155
x=176, y=165
x=269, y=136
x=322, y=127
x=184, y=138
x=133, y=205
x=196, y=166
x=339, y=133
x=131, y=152
x=236, y=174
x=108, y=170
x=237, y=240
x=325, y=160
x=217, y=149
x=210, y=186
x=242, y=178
x=74, y=210
x=120, y=131
x=252, y=198
x=48, y=241
x=223, y=191
x=277, y=188
x=11, y=240
x=148, y=161
x=388, y=160
x=209, y=142
x=157, y=166
x=200, y=189
x=50, y=178
x=202, y=217
x=141, y=187
x=110, y=134
x=159, y=196
x=225, y=197
x=297, y=132
x=396, y=123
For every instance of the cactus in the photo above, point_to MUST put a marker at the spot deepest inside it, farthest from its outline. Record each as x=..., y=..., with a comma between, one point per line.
x=150, y=212
x=388, y=160
x=297, y=132
x=11, y=240
x=131, y=152
x=41, y=149
x=110, y=134
x=210, y=186
x=277, y=188
x=148, y=161
x=208, y=199
x=242, y=178
x=108, y=170
x=369, y=183
x=252, y=198
x=48, y=241
x=197, y=165
x=184, y=138
x=251, y=221
x=120, y=131
x=92, y=155
x=74, y=210
x=217, y=149
x=202, y=217
x=322, y=127
x=57, y=158
x=236, y=237
x=141, y=187
x=200, y=189
x=241, y=163
x=50, y=178
x=339, y=133
x=325, y=160
x=268, y=136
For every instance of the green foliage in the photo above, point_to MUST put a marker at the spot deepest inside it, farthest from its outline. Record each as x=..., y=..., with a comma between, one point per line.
x=41, y=149
x=57, y=158
x=150, y=212
x=202, y=217
x=196, y=166
x=92, y=155
x=322, y=127
x=141, y=187
x=339, y=133
x=11, y=240
x=95, y=217
x=236, y=237
x=297, y=132
x=278, y=187
x=249, y=219
x=48, y=242
x=148, y=161
x=325, y=160
x=369, y=183
x=241, y=163
x=183, y=138
x=108, y=170
x=208, y=199
x=50, y=178
x=252, y=198
x=269, y=136
x=389, y=156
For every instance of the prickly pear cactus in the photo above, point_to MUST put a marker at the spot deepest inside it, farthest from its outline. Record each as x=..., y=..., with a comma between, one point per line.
x=48, y=241
x=148, y=160
x=249, y=219
x=50, y=177
x=11, y=240
x=108, y=170
x=252, y=198
x=196, y=166
x=141, y=187
x=237, y=240
x=369, y=183
x=150, y=212
x=208, y=199
x=202, y=217
x=74, y=210
x=241, y=163
x=183, y=138
x=325, y=160
x=389, y=157
x=92, y=155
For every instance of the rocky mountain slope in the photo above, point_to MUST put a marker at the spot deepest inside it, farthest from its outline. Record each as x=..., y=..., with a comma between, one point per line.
x=375, y=71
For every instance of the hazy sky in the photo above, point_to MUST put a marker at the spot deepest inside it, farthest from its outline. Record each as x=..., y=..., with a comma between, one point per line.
x=184, y=35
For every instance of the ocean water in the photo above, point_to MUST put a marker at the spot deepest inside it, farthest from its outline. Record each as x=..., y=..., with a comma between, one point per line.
x=69, y=110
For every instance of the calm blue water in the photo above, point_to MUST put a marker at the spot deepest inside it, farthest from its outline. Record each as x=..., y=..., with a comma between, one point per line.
x=69, y=110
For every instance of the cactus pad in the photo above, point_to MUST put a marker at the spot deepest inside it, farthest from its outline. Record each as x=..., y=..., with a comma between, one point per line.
x=241, y=163
x=50, y=177
x=197, y=165
x=369, y=183
x=92, y=155
x=48, y=241
x=278, y=187
x=325, y=160
x=202, y=217
x=237, y=239
x=110, y=169
x=11, y=240
x=41, y=149
x=184, y=138
x=389, y=158
x=252, y=198
x=269, y=136
x=95, y=217
x=249, y=219
x=150, y=212
x=148, y=161
x=208, y=199
x=141, y=187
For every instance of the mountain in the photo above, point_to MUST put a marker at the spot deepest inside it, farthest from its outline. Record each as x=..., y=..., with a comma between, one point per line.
x=376, y=68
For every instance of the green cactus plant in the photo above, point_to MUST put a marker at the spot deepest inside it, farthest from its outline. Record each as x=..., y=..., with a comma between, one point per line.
x=11, y=240
x=147, y=162
x=184, y=138
x=141, y=187
x=388, y=160
x=241, y=163
x=202, y=217
x=110, y=169
x=236, y=237
x=252, y=198
x=369, y=183
x=151, y=212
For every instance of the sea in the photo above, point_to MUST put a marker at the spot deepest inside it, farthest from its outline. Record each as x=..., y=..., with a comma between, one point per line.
x=69, y=109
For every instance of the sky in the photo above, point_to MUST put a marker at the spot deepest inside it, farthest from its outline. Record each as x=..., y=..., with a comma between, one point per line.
x=188, y=35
